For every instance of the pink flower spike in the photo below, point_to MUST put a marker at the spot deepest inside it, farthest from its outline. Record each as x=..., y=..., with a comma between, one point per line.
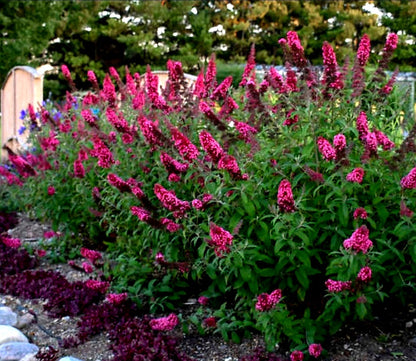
x=315, y=350
x=362, y=125
x=296, y=356
x=296, y=49
x=164, y=323
x=202, y=300
x=404, y=210
x=92, y=78
x=211, y=146
x=337, y=286
x=97, y=285
x=116, y=298
x=49, y=234
x=340, y=142
x=356, y=175
x=210, y=322
x=285, y=197
x=266, y=302
x=79, y=171
x=360, y=213
x=197, y=204
x=88, y=268
x=141, y=213
x=11, y=242
x=160, y=258
x=359, y=240
x=409, y=181
x=66, y=73
x=220, y=239
x=365, y=274
x=91, y=255
x=326, y=149
x=40, y=253
x=363, y=52
x=170, y=225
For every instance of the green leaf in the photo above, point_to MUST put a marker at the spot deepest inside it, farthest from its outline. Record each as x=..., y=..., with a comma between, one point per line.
x=246, y=273
x=303, y=237
x=266, y=272
x=211, y=271
x=303, y=256
x=248, y=205
x=235, y=338
x=361, y=310
x=302, y=277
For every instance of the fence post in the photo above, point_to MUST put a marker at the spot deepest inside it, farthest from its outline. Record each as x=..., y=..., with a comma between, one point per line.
x=23, y=86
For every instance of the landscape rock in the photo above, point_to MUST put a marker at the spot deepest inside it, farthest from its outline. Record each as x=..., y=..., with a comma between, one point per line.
x=7, y=317
x=10, y=334
x=30, y=357
x=15, y=351
x=69, y=358
x=24, y=321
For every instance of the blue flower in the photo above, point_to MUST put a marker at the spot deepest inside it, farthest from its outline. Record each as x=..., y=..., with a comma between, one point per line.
x=95, y=111
x=57, y=116
x=22, y=114
x=21, y=130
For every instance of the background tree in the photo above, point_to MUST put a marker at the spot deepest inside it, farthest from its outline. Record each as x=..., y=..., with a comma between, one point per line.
x=400, y=17
x=96, y=34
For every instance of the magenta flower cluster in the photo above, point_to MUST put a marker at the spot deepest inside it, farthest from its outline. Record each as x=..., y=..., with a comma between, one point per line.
x=359, y=240
x=409, y=181
x=356, y=176
x=221, y=239
x=337, y=286
x=170, y=201
x=167, y=323
x=285, y=197
x=266, y=302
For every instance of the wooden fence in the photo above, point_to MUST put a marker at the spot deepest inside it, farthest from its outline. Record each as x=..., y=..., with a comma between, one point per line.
x=23, y=86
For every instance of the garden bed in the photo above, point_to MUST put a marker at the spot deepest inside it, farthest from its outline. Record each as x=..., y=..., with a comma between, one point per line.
x=391, y=336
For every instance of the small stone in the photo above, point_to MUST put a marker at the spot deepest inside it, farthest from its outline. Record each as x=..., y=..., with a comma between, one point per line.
x=409, y=324
x=24, y=321
x=15, y=351
x=7, y=316
x=11, y=334
x=412, y=342
x=69, y=358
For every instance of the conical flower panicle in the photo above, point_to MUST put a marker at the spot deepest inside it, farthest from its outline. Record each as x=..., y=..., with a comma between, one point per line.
x=285, y=197
x=249, y=68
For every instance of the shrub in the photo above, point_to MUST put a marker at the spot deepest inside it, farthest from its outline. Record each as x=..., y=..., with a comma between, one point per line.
x=285, y=203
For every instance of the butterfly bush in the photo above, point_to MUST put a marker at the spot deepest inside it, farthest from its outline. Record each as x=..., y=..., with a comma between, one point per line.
x=242, y=195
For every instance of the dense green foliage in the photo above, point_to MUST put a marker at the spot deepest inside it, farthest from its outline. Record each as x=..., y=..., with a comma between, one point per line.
x=98, y=34
x=284, y=203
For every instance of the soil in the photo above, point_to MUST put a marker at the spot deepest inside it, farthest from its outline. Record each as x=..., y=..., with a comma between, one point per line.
x=390, y=336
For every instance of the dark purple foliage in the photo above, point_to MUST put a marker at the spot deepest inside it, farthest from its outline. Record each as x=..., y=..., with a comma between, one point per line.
x=105, y=316
x=260, y=354
x=7, y=221
x=131, y=337
x=13, y=260
x=50, y=354
x=64, y=298
x=134, y=340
